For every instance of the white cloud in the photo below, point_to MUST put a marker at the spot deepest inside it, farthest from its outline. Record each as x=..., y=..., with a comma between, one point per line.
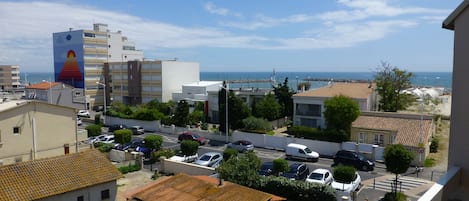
x=213, y=9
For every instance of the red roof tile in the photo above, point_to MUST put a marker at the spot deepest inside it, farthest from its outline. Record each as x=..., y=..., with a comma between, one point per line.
x=352, y=90
x=43, y=85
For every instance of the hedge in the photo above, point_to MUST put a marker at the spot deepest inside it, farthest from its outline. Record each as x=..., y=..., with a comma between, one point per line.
x=129, y=168
x=317, y=134
x=93, y=130
x=296, y=190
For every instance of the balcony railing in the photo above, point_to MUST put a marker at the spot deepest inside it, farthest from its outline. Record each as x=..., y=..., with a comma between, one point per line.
x=446, y=187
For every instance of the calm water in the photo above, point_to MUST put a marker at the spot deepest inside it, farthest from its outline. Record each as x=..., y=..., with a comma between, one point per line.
x=437, y=79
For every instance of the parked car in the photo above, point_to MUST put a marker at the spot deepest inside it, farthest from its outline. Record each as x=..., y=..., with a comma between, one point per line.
x=299, y=151
x=297, y=171
x=322, y=176
x=266, y=168
x=209, y=159
x=83, y=113
x=115, y=127
x=79, y=122
x=180, y=157
x=95, y=139
x=353, y=159
x=109, y=139
x=137, y=130
x=241, y=145
x=346, y=189
x=192, y=136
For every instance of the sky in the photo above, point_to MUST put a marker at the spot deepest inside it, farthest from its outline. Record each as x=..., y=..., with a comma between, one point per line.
x=244, y=35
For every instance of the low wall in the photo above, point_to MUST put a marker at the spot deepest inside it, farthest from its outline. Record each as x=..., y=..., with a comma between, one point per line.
x=174, y=167
x=147, y=125
x=121, y=156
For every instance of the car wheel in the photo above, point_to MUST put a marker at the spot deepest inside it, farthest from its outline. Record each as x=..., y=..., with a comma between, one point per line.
x=365, y=168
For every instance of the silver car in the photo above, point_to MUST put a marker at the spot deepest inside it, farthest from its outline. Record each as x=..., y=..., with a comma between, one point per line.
x=241, y=145
x=209, y=159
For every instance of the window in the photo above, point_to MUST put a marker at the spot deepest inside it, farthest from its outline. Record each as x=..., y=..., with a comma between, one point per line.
x=379, y=139
x=308, y=110
x=80, y=198
x=105, y=194
x=391, y=139
x=16, y=130
x=362, y=138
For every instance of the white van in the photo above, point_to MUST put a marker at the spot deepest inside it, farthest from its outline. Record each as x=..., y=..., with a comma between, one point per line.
x=300, y=151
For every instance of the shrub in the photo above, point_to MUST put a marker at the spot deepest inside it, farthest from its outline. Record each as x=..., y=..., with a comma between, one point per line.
x=168, y=153
x=189, y=147
x=257, y=125
x=391, y=196
x=97, y=119
x=153, y=141
x=330, y=135
x=229, y=153
x=103, y=147
x=344, y=174
x=294, y=190
x=429, y=162
x=93, y=130
x=204, y=126
x=147, y=114
x=122, y=136
x=279, y=165
x=434, y=145
x=129, y=168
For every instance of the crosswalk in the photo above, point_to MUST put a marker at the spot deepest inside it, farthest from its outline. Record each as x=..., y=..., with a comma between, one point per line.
x=404, y=184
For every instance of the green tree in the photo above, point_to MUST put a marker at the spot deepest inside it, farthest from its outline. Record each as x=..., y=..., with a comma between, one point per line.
x=390, y=82
x=397, y=160
x=344, y=174
x=189, y=147
x=237, y=110
x=268, y=108
x=283, y=93
x=340, y=111
x=181, y=116
x=122, y=136
x=229, y=153
x=242, y=170
x=196, y=116
x=279, y=165
x=93, y=130
x=254, y=124
x=153, y=142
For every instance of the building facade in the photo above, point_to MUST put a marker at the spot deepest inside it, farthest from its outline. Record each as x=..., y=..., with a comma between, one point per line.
x=32, y=129
x=79, y=57
x=308, y=107
x=9, y=77
x=137, y=82
x=57, y=93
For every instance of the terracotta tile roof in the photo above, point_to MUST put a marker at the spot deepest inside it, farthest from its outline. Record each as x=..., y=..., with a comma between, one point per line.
x=32, y=180
x=352, y=90
x=407, y=129
x=43, y=85
x=183, y=187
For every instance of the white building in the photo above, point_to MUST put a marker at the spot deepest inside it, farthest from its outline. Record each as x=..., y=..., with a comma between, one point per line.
x=9, y=77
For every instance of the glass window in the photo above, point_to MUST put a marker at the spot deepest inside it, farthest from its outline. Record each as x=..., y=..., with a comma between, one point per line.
x=362, y=138
x=80, y=198
x=105, y=194
x=16, y=130
x=391, y=139
x=379, y=139
x=308, y=110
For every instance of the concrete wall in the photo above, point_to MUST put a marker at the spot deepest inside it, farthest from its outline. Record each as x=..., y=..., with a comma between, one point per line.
x=174, y=74
x=174, y=167
x=147, y=125
x=92, y=193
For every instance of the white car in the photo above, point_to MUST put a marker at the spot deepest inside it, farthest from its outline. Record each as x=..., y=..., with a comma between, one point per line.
x=321, y=176
x=346, y=189
x=180, y=157
x=83, y=113
x=209, y=159
x=108, y=139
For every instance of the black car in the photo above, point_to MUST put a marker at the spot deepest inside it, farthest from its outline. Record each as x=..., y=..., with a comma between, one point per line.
x=298, y=171
x=116, y=127
x=266, y=168
x=354, y=159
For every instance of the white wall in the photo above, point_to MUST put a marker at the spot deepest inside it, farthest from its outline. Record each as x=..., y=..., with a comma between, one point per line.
x=175, y=74
x=147, y=125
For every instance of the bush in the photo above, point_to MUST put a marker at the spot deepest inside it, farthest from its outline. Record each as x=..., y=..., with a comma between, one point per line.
x=123, y=136
x=229, y=153
x=429, y=162
x=257, y=125
x=294, y=190
x=390, y=196
x=93, y=130
x=189, y=147
x=147, y=114
x=103, y=147
x=153, y=142
x=434, y=145
x=344, y=174
x=168, y=153
x=97, y=119
x=129, y=168
x=204, y=126
x=330, y=135
x=280, y=165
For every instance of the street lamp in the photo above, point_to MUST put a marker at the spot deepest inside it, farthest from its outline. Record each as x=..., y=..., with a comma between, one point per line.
x=104, y=95
x=226, y=111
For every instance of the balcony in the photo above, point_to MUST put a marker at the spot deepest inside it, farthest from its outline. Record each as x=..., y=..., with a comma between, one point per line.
x=448, y=187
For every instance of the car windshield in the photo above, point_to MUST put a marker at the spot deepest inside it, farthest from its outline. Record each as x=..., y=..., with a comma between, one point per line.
x=307, y=150
x=196, y=136
x=316, y=176
x=205, y=158
x=362, y=158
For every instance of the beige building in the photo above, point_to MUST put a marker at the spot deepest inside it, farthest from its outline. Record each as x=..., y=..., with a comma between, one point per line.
x=308, y=107
x=136, y=82
x=32, y=130
x=381, y=128
x=9, y=77
x=87, y=175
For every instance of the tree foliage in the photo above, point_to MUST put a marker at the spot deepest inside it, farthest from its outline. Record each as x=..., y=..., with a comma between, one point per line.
x=229, y=153
x=241, y=170
x=122, y=136
x=153, y=142
x=268, y=108
x=390, y=82
x=258, y=125
x=93, y=130
x=237, y=110
x=189, y=147
x=283, y=94
x=279, y=165
x=397, y=160
x=344, y=174
x=181, y=115
x=340, y=112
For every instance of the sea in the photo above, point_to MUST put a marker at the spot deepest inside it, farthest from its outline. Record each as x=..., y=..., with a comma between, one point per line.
x=420, y=79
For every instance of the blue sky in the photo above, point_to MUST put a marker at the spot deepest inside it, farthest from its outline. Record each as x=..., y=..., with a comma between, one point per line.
x=244, y=35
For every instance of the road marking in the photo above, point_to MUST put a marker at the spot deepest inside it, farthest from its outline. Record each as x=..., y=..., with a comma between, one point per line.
x=404, y=184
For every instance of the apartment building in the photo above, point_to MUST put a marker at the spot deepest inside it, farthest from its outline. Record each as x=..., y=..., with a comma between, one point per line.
x=79, y=57
x=136, y=82
x=9, y=77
